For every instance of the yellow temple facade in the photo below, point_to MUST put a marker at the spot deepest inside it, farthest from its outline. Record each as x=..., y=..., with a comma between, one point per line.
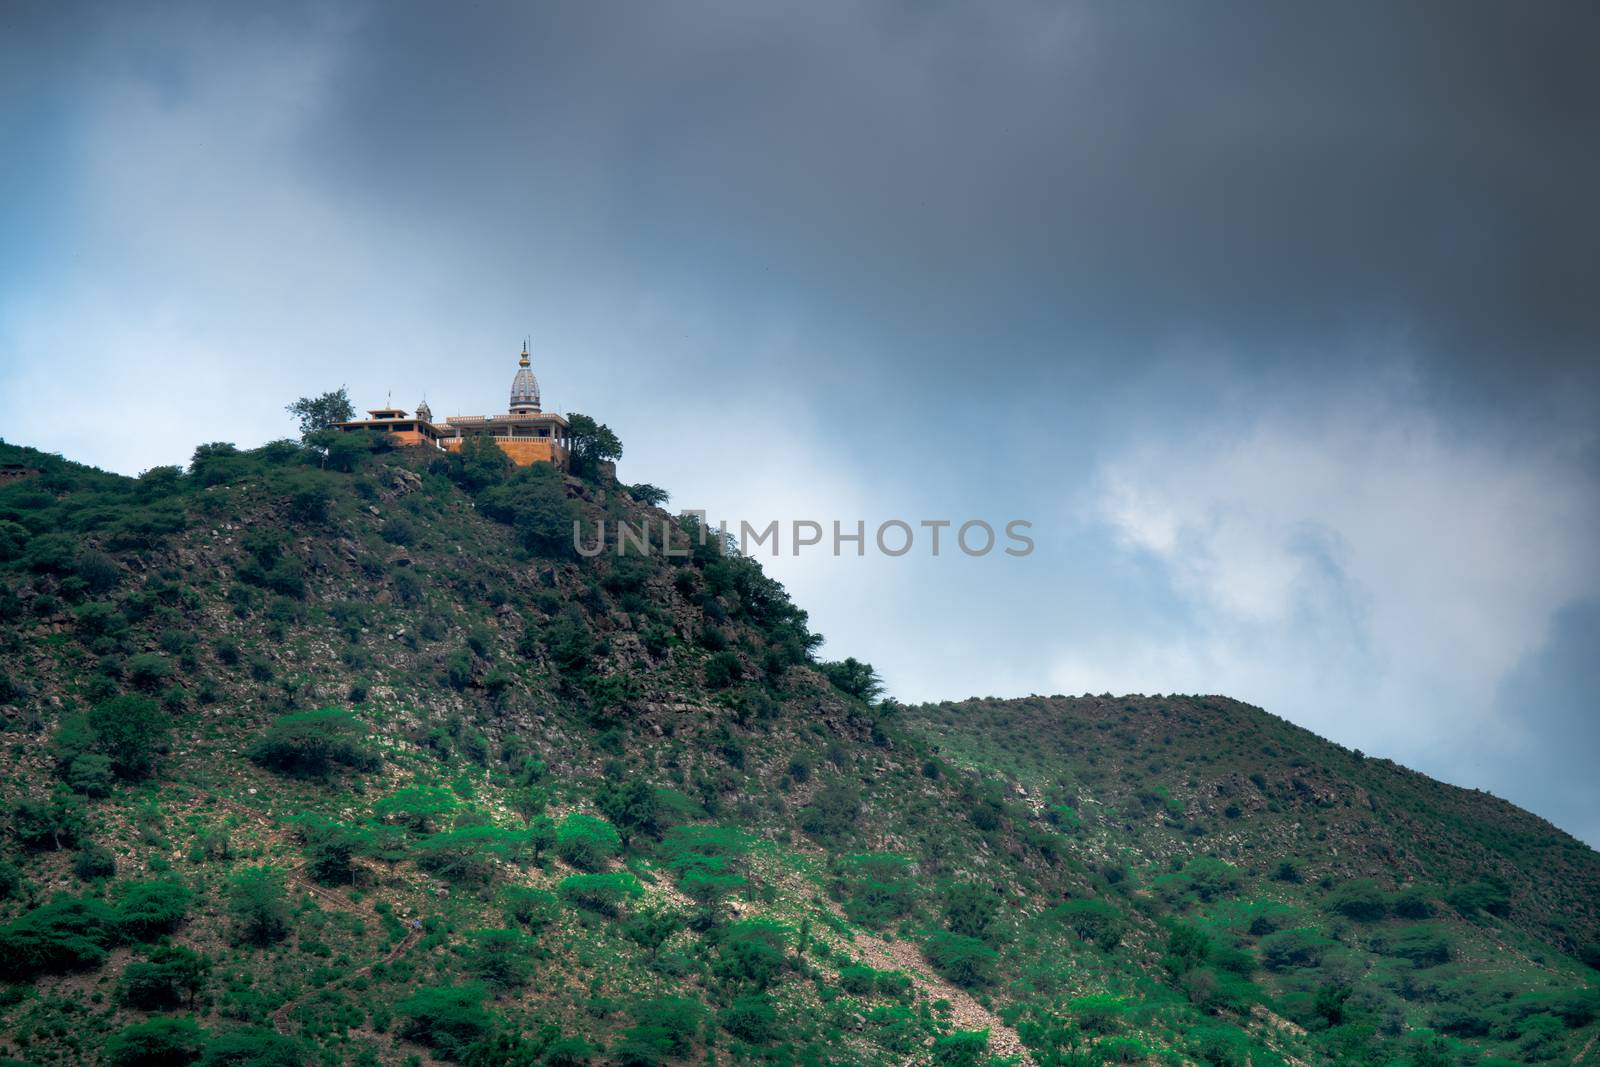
x=526, y=433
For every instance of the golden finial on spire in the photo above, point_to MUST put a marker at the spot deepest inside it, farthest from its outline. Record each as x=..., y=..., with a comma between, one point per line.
x=524, y=361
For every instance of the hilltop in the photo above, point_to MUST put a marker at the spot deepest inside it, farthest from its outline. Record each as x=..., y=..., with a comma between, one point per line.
x=340, y=753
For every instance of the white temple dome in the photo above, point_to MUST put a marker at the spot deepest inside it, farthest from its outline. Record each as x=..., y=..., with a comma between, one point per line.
x=524, y=388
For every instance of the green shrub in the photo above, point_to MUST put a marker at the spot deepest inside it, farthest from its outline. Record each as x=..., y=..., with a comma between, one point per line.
x=1064, y=818
x=172, y=977
x=309, y=744
x=854, y=678
x=1219, y=1046
x=44, y=825
x=1424, y=946
x=13, y=540
x=754, y=952
x=50, y=553
x=468, y=854
x=253, y=1047
x=448, y=1019
x=1413, y=904
x=100, y=619
x=970, y=909
x=752, y=1018
x=564, y=1052
x=1361, y=900
x=67, y=934
x=161, y=1042
x=1209, y=878
x=149, y=671
x=587, y=842
x=502, y=958
x=600, y=893
x=418, y=807
x=91, y=775
x=94, y=861
x=259, y=906
x=132, y=731
x=146, y=910
x=569, y=643
x=331, y=847
x=964, y=1048
x=533, y=908
x=1490, y=895
x=632, y=806
x=723, y=669
x=663, y=1028
x=11, y=881
x=1289, y=949
x=966, y=961
x=832, y=815
x=876, y=887
x=1094, y=921
x=858, y=980
x=1099, y=1013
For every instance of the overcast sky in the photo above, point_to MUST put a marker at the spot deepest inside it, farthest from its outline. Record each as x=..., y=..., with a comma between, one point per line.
x=1278, y=321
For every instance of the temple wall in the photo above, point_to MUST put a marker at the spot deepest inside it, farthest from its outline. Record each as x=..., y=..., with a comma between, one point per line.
x=524, y=451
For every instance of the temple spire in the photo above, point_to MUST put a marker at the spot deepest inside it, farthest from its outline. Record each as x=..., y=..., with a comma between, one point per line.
x=524, y=387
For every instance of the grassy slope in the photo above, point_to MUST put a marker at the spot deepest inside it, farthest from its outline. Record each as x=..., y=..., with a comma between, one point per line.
x=451, y=644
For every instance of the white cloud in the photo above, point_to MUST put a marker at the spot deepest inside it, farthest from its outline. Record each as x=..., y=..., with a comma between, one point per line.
x=1357, y=568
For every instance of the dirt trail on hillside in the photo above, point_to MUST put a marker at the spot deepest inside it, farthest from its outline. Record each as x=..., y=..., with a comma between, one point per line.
x=280, y=1018
x=298, y=878
x=965, y=1012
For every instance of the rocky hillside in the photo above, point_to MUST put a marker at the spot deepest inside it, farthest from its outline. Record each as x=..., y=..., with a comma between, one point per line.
x=330, y=753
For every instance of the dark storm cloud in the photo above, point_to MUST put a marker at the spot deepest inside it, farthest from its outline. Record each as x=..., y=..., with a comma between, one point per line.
x=981, y=177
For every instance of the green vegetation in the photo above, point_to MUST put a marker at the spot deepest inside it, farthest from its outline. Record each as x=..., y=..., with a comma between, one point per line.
x=310, y=744
x=330, y=752
x=587, y=842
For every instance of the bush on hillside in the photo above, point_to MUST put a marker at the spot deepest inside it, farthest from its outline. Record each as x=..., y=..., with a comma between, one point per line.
x=1094, y=921
x=90, y=775
x=66, y=934
x=309, y=744
x=258, y=903
x=663, y=1029
x=132, y=731
x=159, y=1042
x=753, y=952
x=586, y=841
x=253, y=1047
x=875, y=886
x=45, y=825
x=1490, y=895
x=448, y=1019
x=971, y=909
x=468, y=854
x=751, y=1018
x=418, y=808
x=600, y=893
x=1424, y=946
x=966, y=961
x=146, y=910
x=1362, y=900
x=173, y=976
x=1290, y=949
x=854, y=678
x=331, y=847
x=964, y=1048
x=501, y=958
